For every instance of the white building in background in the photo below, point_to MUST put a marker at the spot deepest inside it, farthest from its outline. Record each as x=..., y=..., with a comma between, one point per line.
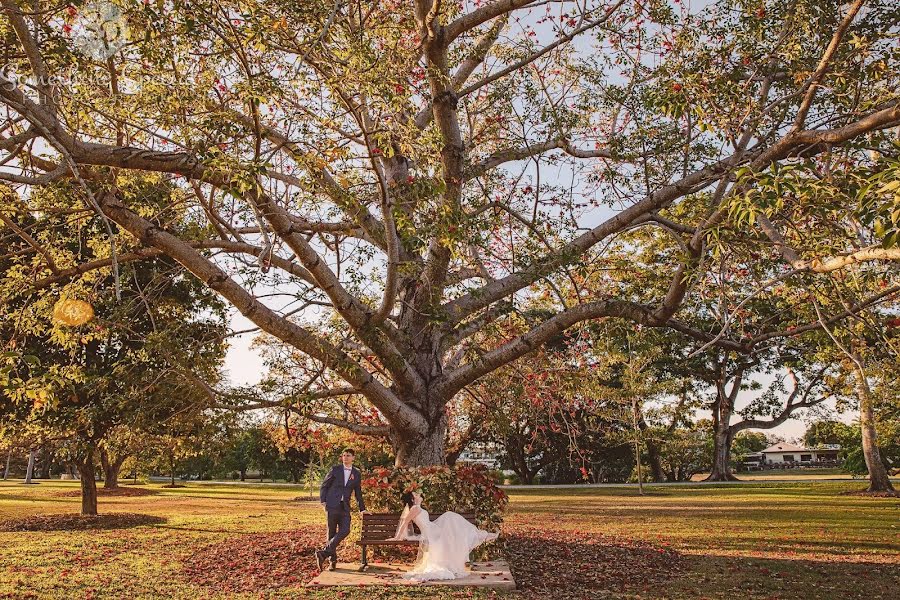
x=789, y=453
x=481, y=453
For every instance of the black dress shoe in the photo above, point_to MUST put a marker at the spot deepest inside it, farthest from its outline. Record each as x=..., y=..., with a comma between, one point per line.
x=320, y=559
x=333, y=563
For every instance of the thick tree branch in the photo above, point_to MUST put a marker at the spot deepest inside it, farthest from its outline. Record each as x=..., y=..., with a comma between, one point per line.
x=373, y=430
x=812, y=84
x=289, y=332
x=481, y=15
x=790, y=406
x=790, y=145
x=528, y=151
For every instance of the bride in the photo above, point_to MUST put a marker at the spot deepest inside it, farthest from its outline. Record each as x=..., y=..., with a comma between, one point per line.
x=444, y=544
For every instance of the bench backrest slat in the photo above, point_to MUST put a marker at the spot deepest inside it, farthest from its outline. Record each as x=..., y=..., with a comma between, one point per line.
x=380, y=526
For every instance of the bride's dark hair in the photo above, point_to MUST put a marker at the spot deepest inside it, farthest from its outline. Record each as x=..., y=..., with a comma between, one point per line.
x=408, y=499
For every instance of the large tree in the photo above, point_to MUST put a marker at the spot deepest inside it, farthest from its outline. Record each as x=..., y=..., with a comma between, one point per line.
x=414, y=167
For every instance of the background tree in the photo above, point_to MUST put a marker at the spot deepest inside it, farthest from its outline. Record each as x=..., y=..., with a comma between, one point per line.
x=123, y=362
x=685, y=451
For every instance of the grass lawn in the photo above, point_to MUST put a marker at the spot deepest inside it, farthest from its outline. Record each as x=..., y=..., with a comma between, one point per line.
x=786, y=474
x=767, y=540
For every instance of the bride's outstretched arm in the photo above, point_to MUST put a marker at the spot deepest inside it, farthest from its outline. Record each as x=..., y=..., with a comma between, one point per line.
x=405, y=523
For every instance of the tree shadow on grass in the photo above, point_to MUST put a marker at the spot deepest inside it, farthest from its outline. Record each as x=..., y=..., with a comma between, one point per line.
x=549, y=565
x=196, y=529
x=120, y=492
x=74, y=522
x=178, y=494
x=717, y=577
x=552, y=564
x=23, y=498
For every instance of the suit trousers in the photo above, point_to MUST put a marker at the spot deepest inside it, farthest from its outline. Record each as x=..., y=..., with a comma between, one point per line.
x=338, y=528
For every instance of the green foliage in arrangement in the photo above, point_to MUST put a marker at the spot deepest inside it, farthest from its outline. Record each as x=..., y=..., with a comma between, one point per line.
x=459, y=489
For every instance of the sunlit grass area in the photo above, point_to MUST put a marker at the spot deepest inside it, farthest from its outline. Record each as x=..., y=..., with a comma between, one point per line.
x=765, y=540
x=787, y=475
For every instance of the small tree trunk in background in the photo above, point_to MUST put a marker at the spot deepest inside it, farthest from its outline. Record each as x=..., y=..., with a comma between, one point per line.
x=653, y=462
x=88, y=484
x=46, y=459
x=6, y=471
x=172, y=465
x=111, y=468
x=30, y=470
x=878, y=476
x=243, y=474
x=722, y=438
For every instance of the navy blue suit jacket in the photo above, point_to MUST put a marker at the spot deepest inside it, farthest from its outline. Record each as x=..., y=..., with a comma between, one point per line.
x=333, y=490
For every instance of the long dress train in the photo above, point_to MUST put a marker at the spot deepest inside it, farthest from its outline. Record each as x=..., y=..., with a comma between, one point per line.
x=444, y=546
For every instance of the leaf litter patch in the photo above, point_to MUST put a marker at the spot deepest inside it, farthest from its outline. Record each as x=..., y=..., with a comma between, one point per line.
x=546, y=562
x=114, y=493
x=75, y=522
x=256, y=562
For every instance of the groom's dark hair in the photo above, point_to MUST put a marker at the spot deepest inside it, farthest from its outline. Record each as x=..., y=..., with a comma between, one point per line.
x=349, y=451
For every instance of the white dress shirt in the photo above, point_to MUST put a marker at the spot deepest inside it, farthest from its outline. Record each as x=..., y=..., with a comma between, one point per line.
x=347, y=473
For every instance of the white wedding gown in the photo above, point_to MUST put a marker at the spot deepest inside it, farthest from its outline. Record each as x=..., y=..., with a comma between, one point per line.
x=444, y=545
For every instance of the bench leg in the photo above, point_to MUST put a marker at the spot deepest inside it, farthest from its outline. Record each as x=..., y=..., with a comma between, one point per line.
x=365, y=562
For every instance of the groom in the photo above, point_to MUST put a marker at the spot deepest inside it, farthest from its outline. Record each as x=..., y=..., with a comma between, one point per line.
x=341, y=482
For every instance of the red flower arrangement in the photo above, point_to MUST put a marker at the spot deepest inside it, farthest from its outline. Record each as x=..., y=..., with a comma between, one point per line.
x=462, y=488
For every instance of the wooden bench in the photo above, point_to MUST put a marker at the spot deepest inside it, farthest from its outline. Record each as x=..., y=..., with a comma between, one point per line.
x=378, y=527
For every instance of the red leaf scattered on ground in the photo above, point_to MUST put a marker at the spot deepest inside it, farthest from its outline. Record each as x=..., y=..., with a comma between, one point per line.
x=545, y=562
x=548, y=563
x=74, y=522
x=257, y=561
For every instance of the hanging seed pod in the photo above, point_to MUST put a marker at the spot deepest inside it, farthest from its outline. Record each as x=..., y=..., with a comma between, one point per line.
x=72, y=312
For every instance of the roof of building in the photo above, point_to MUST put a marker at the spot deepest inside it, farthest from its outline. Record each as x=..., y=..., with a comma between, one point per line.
x=784, y=447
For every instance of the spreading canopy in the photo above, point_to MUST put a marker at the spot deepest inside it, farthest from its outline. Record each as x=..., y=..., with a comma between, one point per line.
x=412, y=168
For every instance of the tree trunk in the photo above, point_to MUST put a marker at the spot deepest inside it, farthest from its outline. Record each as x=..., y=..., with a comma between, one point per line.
x=87, y=475
x=6, y=470
x=46, y=459
x=421, y=451
x=721, y=465
x=30, y=470
x=878, y=476
x=637, y=444
x=243, y=475
x=653, y=461
x=172, y=465
x=111, y=469
x=722, y=438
